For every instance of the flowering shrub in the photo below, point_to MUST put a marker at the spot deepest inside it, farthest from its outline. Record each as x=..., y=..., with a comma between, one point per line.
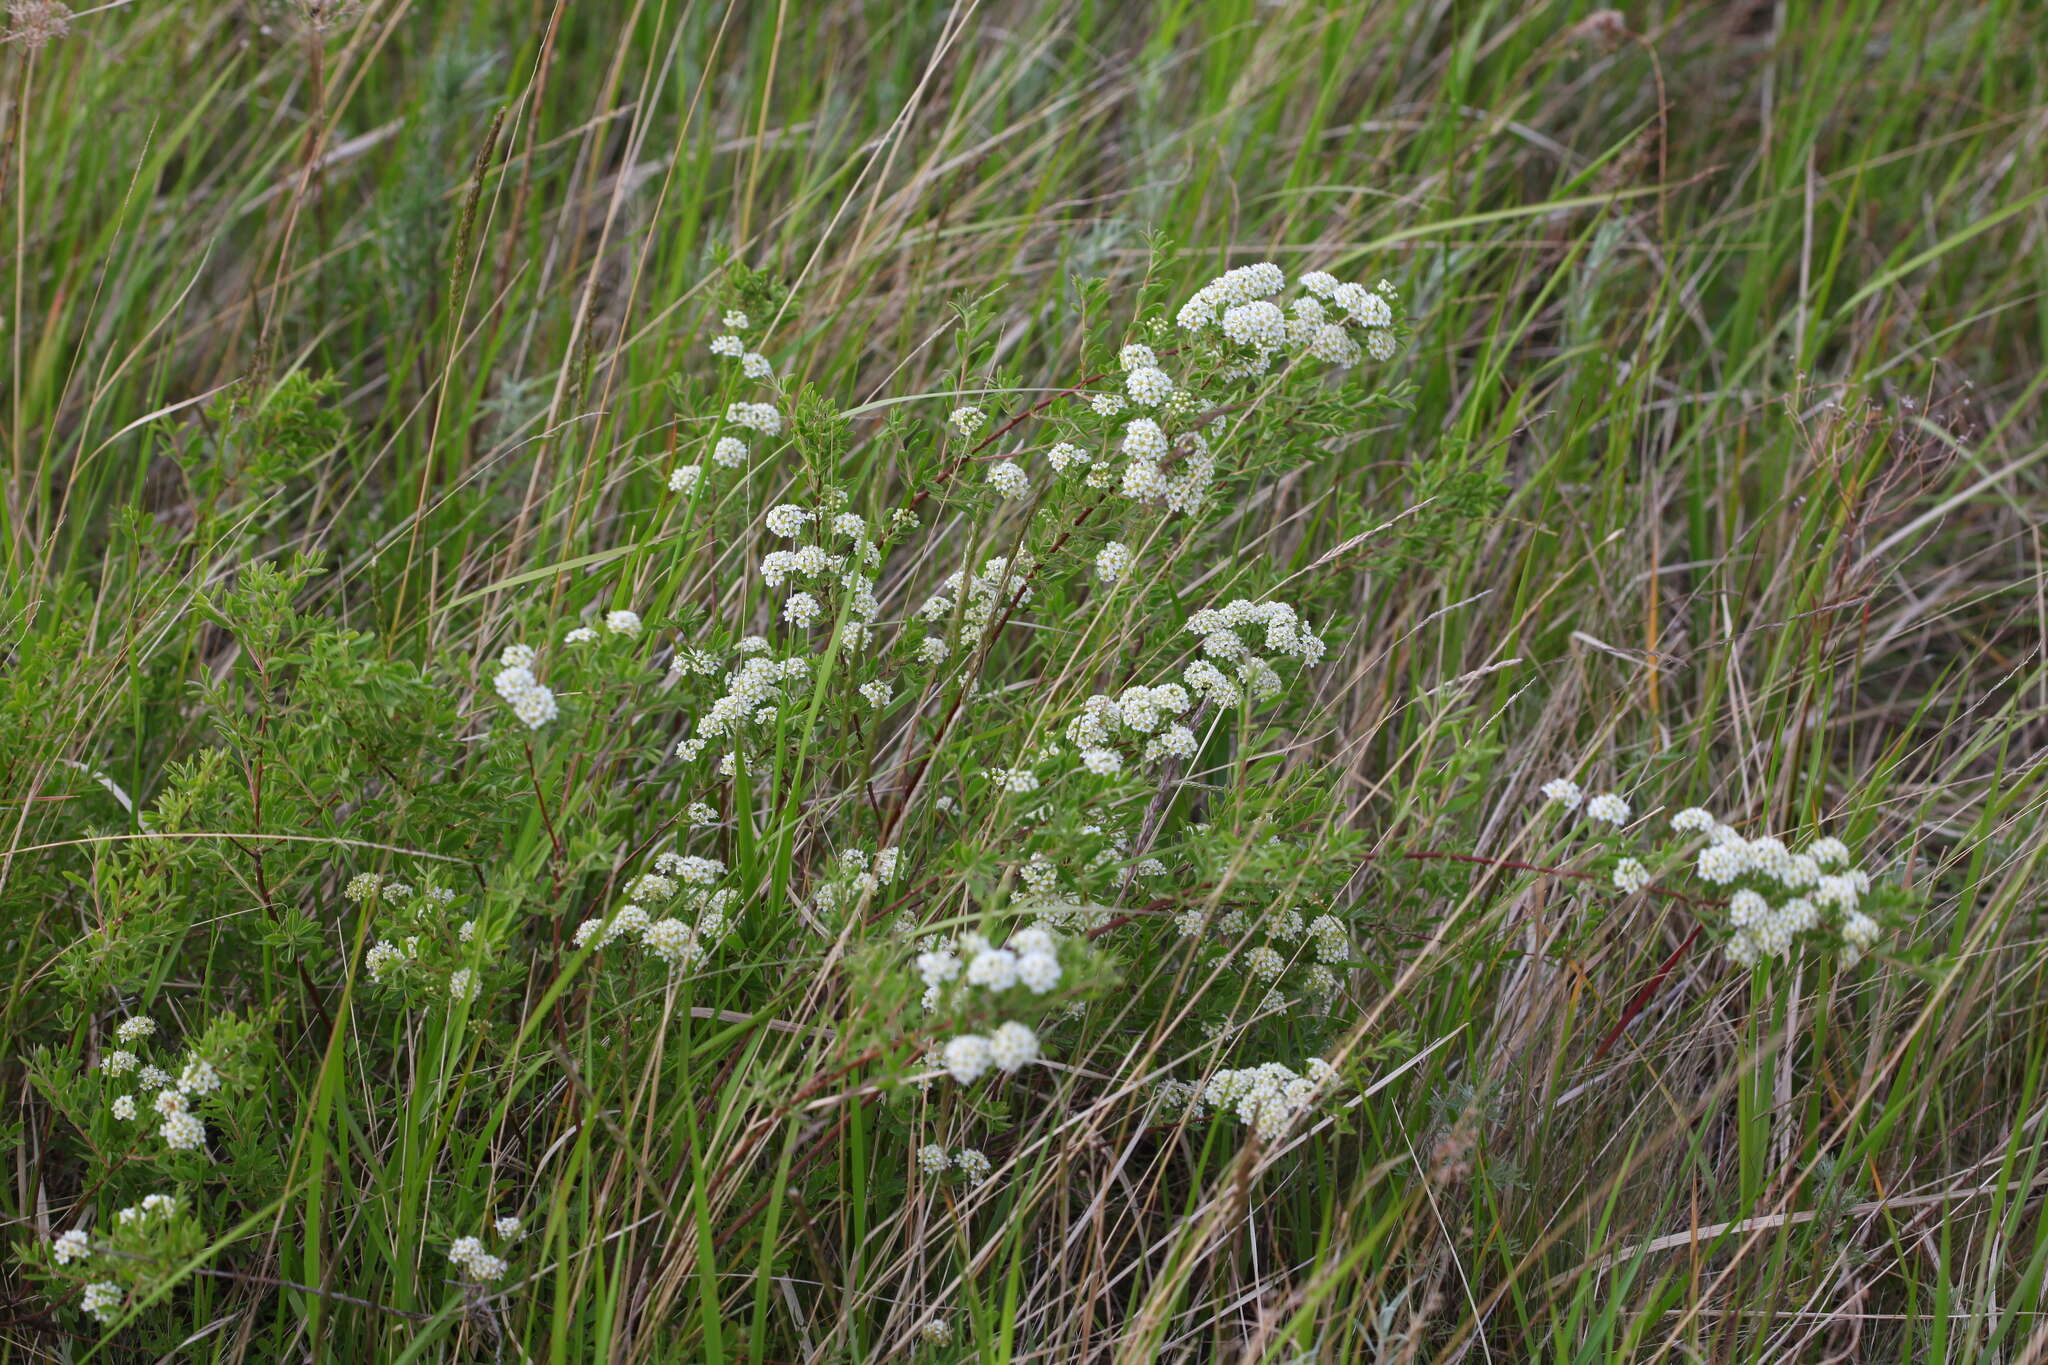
x=990, y=757
x=1765, y=899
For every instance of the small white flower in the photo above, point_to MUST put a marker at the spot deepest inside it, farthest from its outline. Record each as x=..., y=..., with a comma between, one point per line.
x=755, y=365
x=1039, y=972
x=761, y=417
x=932, y=1159
x=1827, y=852
x=1331, y=344
x=382, y=957
x=967, y=419
x=877, y=693
x=1102, y=762
x=673, y=941
x=582, y=635
x=730, y=452
x=736, y=321
x=182, y=1132
x=71, y=1246
x=1148, y=386
x=1017, y=781
x=1630, y=876
x=198, y=1078
x=801, y=609
x=124, y=1106
x=1721, y=863
x=1012, y=1046
x=727, y=345
x=119, y=1062
x=1009, y=480
x=102, y=1300
x=1107, y=404
x=994, y=968
x=531, y=701
x=967, y=1057
x=1259, y=325
x=625, y=623
x=1564, y=791
x=1064, y=456
x=1112, y=561
x=507, y=1226
x=787, y=520
x=1144, y=440
x=141, y=1026
x=1608, y=808
x=1136, y=357
x=463, y=985
x=973, y=1164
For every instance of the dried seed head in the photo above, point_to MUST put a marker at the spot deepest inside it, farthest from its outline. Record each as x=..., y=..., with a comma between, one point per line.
x=34, y=23
x=320, y=17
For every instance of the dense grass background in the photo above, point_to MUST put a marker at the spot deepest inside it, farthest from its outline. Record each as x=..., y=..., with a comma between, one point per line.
x=1722, y=481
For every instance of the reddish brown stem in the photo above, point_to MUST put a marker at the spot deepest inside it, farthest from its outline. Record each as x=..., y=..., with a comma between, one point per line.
x=1645, y=993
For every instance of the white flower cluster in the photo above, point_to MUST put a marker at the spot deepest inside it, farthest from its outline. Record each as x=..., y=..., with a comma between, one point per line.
x=856, y=874
x=1001, y=581
x=934, y=1160
x=728, y=451
x=1607, y=808
x=1267, y=1098
x=1775, y=896
x=385, y=957
x=753, y=691
x=1240, y=307
x=1010, y=1048
x=1276, y=628
x=181, y=1129
x=1145, y=477
x=1310, y=949
x=1150, y=712
x=1009, y=480
x=1827, y=890
x=850, y=568
x=71, y=1246
x=469, y=1256
x=528, y=697
x=761, y=417
x=677, y=942
x=1030, y=961
x=1113, y=561
x=102, y=1299
x=623, y=623
x=153, y=1206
